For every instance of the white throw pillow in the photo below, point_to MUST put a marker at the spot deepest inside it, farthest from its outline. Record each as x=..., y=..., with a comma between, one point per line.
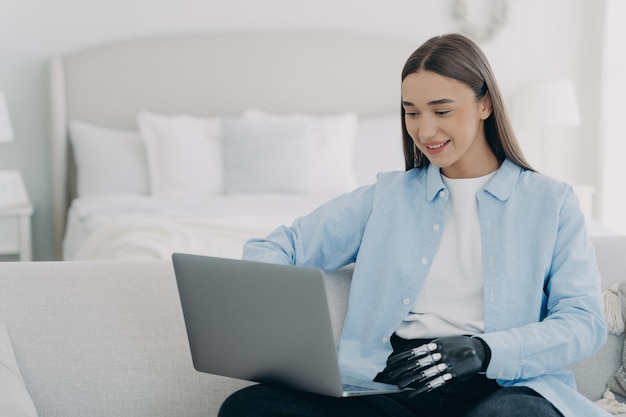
x=14, y=398
x=184, y=155
x=263, y=155
x=334, y=154
x=108, y=160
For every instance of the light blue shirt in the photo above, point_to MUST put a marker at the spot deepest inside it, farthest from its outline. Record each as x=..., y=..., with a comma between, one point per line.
x=542, y=294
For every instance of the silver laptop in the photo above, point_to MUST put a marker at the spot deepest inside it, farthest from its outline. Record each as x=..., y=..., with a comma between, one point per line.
x=264, y=323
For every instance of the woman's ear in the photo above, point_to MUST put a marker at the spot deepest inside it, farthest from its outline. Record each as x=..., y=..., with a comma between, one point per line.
x=485, y=106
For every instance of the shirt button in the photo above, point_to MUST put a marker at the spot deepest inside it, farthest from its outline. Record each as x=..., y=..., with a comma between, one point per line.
x=384, y=340
x=436, y=227
x=442, y=194
x=424, y=261
x=406, y=301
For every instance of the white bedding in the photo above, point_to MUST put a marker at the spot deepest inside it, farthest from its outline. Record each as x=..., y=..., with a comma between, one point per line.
x=141, y=227
x=206, y=185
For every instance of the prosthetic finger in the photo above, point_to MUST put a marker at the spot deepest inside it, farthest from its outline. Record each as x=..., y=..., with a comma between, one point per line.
x=426, y=375
x=431, y=385
x=414, y=366
x=417, y=352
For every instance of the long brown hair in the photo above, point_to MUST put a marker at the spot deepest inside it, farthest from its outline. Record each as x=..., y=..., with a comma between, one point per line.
x=457, y=57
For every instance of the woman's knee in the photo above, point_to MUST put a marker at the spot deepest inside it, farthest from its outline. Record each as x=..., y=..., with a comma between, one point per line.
x=515, y=402
x=241, y=403
x=264, y=400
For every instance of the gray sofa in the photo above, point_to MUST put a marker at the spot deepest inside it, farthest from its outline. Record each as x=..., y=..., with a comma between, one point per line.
x=107, y=338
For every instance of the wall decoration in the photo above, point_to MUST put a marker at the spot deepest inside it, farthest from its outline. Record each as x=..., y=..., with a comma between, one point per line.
x=498, y=13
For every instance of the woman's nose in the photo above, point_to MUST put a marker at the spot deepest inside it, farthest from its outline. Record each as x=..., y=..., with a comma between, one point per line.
x=426, y=128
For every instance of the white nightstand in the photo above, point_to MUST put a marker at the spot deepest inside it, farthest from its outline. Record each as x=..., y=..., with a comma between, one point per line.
x=16, y=211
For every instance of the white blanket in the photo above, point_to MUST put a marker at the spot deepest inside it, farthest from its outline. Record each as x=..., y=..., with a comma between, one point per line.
x=140, y=227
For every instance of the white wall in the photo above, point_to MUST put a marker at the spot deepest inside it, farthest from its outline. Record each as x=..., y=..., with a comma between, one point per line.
x=555, y=38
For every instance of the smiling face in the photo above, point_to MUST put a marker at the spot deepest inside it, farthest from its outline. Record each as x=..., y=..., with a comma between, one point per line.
x=446, y=123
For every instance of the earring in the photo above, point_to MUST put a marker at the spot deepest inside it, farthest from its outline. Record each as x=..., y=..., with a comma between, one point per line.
x=417, y=157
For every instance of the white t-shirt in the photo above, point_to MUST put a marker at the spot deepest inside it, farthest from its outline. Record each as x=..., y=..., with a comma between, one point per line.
x=450, y=301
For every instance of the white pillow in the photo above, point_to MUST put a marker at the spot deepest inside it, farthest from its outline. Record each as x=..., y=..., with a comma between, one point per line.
x=108, y=160
x=263, y=155
x=14, y=398
x=184, y=155
x=334, y=154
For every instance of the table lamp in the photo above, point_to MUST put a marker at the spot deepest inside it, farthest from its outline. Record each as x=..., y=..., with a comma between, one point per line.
x=548, y=103
x=545, y=107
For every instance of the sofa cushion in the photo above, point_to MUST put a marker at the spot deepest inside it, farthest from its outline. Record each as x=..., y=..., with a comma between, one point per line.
x=592, y=374
x=105, y=338
x=14, y=398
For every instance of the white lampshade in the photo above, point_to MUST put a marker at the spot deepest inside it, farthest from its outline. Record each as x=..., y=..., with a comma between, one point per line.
x=6, y=130
x=548, y=103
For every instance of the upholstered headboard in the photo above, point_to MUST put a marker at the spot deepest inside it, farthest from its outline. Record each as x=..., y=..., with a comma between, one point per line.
x=218, y=74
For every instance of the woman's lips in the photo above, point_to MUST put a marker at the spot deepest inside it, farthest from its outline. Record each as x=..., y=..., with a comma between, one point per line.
x=435, y=148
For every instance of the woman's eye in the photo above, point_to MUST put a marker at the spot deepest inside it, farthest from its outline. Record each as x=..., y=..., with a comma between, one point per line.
x=442, y=112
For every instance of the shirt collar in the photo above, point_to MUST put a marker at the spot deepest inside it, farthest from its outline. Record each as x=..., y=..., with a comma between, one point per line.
x=434, y=183
x=500, y=185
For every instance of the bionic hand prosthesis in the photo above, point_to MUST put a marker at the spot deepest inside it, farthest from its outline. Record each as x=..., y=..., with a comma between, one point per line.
x=437, y=363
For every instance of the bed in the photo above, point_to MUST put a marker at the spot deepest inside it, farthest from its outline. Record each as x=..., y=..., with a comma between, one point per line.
x=198, y=142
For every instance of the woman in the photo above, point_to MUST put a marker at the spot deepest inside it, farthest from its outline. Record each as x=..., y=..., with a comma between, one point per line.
x=469, y=259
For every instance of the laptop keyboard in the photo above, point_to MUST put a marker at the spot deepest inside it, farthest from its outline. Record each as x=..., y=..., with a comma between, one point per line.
x=355, y=388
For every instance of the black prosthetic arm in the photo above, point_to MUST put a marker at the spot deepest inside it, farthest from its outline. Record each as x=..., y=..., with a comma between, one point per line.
x=437, y=363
